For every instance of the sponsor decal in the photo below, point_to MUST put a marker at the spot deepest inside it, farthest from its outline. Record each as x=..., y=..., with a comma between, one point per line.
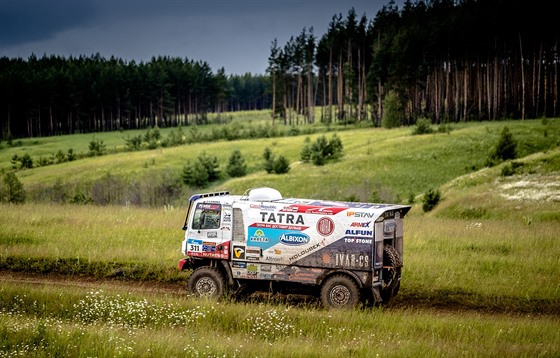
x=389, y=214
x=266, y=268
x=273, y=259
x=209, y=248
x=358, y=240
x=214, y=255
x=206, y=206
x=282, y=218
x=351, y=260
x=239, y=252
x=252, y=268
x=212, y=234
x=359, y=232
x=239, y=264
x=227, y=217
x=279, y=226
x=325, y=226
x=264, y=207
x=313, y=209
x=306, y=251
x=294, y=239
x=252, y=253
x=361, y=214
x=259, y=236
x=361, y=224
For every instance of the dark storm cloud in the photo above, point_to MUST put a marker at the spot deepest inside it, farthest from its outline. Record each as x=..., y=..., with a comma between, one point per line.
x=235, y=34
x=23, y=21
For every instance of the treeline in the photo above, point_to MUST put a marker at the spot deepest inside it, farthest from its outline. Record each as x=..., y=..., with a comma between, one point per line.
x=53, y=95
x=446, y=60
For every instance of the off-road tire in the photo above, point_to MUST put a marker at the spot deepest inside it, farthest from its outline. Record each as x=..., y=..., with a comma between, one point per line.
x=392, y=267
x=206, y=282
x=340, y=291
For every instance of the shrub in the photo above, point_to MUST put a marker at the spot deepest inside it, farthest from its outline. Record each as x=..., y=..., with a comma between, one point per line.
x=510, y=169
x=236, y=166
x=392, y=111
x=175, y=138
x=133, y=143
x=96, y=147
x=322, y=150
x=71, y=155
x=281, y=165
x=203, y=171
x=23, y=162
x=505, y=149
x=423, y=126
x=305, y=153
x=60, y=157
x=153, y=137
x=211, y=164
x=430, y=200
x=268, y=160
x=12, y=190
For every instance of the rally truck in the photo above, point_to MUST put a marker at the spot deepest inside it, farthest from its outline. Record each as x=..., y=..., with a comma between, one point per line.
x=348, y=252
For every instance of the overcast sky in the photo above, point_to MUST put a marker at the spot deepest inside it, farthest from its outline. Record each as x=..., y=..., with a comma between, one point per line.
x=234, y=34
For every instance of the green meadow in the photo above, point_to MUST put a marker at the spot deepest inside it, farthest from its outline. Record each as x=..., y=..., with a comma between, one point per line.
x=481, y=273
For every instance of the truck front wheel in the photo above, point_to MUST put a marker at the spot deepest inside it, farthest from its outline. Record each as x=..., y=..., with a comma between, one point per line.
x=206, y=282
x=340, y=291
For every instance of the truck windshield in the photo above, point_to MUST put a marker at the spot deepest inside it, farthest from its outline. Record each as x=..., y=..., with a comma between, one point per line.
x=207, y=216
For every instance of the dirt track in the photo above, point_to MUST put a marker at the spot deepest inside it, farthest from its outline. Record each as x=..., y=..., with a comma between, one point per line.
x=177, y=289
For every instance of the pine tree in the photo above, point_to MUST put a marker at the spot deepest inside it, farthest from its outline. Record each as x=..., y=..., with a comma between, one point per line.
x=236, y=166
x=12, y=190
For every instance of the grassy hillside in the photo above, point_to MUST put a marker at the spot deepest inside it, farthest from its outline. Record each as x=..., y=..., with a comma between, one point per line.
x=480, y=273
x=378, y=164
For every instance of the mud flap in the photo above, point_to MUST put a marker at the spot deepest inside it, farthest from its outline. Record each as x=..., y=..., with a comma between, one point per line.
x=185, y=264
x=376, y=295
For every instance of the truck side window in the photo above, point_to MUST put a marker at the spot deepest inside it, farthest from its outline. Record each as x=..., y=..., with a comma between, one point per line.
x=207, y=216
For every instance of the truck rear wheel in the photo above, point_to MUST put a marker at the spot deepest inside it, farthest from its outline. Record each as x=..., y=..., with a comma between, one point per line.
x=340, y=291
x=392, y=264
x=206, y=282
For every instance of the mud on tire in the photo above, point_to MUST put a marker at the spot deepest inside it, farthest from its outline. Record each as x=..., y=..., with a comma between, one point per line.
x=206, y=282
x=340, y=291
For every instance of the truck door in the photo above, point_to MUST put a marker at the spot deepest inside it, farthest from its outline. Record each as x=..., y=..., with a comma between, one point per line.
x=205, y=233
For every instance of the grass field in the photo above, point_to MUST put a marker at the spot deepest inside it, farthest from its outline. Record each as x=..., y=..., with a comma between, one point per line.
x=378, y=164
x=481, y=272
x=107, y=321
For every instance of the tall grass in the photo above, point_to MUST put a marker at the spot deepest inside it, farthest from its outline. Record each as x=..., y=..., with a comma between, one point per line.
x=52, y=321
x=480, y=274
x=484, y=264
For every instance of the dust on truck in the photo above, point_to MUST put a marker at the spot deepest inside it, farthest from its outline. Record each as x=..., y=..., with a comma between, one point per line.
x=349, y=251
